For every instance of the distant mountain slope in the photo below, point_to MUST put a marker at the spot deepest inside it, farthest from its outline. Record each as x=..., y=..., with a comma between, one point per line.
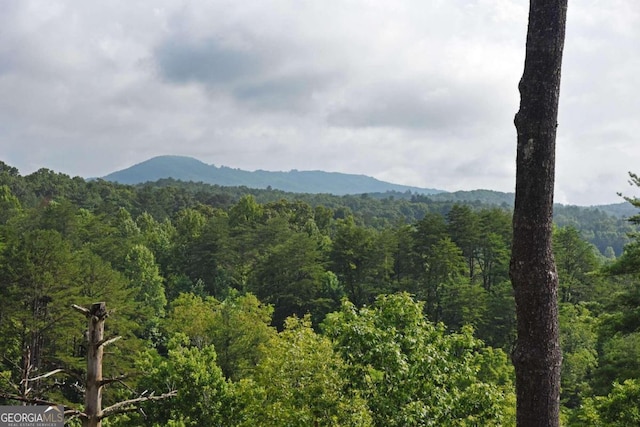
x=491, y=197
x=190, y=169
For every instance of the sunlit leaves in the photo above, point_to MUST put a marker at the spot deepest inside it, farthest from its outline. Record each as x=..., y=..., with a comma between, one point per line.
x=301, y=382
x=410, y=370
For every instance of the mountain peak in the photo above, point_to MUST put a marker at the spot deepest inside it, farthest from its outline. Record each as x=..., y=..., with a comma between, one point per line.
x=185, y=168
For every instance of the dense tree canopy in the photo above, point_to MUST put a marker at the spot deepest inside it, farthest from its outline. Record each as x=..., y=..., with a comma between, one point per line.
x=403, y=309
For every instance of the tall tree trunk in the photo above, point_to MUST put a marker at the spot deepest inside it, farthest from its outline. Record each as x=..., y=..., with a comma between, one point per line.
x=537, y=356
x=95, y=349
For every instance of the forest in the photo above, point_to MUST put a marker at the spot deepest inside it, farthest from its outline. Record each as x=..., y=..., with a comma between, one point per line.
x=266, y=308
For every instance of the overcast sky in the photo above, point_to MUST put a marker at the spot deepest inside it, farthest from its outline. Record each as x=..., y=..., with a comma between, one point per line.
x=415, y=92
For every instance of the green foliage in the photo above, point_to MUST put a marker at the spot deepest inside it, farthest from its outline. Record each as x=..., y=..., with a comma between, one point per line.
x=291, y=276
x=628, y=262
x=619, y=335
x=42, y=273
x=464, y=303
x=9, y=204
x=196, y=251
x=300, y=382
x=159, y=237
x=463, y=229
x=237, y=327
x=203, y=394
x=575, y=261
x=206, y=257
x=596, y=226
x=443, y=265
x=498, y=328
x=622, y=406
x=240, y=328
x=37, y=272
x=578, y=339
x=619, y=361
x=246, y=212
x=355, y=258
x=410, y=371
x=192, y=316
x=146, y=286
x=143, y=273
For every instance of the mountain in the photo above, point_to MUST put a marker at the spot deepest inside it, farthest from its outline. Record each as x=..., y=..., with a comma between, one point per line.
x=314, y=182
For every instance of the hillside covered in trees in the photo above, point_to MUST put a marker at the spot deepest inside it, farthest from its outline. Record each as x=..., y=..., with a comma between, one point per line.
x=268, y=308
x=189, y=169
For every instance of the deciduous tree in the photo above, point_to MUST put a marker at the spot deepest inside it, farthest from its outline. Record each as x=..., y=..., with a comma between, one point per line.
x=412, y=372
x=301, y=383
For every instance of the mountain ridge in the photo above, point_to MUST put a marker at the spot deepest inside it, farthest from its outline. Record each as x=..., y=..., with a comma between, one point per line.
x=186, y=168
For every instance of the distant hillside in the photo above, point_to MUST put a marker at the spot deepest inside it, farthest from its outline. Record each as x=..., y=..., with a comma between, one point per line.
x=484, y=196
x=314, y=182
x=618, y=210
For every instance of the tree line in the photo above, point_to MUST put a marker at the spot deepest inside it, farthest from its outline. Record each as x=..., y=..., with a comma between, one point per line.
x=604, y=226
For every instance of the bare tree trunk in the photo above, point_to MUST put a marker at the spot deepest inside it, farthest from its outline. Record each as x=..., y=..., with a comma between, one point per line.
x=95, y=350
x=26, y=373
x=537, y=356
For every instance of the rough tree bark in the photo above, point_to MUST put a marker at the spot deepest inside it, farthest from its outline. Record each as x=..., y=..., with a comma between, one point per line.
x=537, y=356
x=96, y=315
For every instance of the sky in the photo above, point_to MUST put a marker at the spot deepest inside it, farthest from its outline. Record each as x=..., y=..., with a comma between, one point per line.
x=414, y=92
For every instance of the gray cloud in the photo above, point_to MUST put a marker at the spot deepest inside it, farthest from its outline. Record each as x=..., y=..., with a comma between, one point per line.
x=208, y=62
x=292, y=93
x=255, y=74
x=391, y=108
x=414, y=105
